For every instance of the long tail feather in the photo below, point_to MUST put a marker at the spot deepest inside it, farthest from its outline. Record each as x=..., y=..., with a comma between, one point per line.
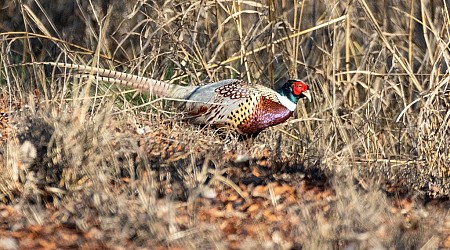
x=158, y=88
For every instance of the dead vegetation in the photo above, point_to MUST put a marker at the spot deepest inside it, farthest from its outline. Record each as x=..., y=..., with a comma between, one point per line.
x=365, y=165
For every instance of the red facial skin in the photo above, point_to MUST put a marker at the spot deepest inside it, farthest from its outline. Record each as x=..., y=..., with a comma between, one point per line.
x=299, y=87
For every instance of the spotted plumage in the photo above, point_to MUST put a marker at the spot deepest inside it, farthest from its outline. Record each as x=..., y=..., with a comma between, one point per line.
x=237, y=105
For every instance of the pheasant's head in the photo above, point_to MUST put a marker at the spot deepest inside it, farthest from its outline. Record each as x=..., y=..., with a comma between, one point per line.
x=294, y=90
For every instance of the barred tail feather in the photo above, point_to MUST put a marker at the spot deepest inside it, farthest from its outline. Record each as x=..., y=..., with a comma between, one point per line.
x=158, y=88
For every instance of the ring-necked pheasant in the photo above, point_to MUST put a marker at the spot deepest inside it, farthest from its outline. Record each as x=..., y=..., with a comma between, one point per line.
x=246, y=108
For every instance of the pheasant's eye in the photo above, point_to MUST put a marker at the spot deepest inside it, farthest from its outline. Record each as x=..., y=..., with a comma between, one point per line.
x=299, y=87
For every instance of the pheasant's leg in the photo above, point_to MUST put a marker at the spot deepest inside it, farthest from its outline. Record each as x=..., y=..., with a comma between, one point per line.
x=248, y=140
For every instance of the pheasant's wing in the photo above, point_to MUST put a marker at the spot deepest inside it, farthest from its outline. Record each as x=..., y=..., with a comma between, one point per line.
x=210, y=104
x=228, y=102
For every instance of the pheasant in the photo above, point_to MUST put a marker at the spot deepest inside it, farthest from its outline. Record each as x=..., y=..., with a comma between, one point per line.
x=246, y=108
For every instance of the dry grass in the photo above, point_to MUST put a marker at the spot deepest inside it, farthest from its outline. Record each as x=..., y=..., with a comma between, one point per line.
x=367, y=162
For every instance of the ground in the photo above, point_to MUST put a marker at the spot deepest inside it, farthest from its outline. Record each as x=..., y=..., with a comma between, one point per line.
x=174, y=190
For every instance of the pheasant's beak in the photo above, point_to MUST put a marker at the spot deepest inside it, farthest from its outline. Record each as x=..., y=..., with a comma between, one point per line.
x=307, y=95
